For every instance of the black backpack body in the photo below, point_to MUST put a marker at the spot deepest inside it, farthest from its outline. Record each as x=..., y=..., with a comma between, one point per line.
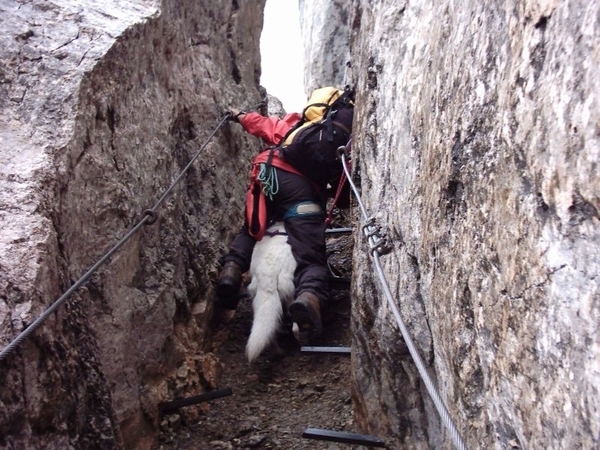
x=311, y=146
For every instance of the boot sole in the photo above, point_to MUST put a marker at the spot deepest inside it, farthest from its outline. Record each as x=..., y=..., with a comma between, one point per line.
x=308, y=321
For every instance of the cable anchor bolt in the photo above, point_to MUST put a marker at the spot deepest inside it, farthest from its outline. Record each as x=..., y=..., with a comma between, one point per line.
x=152, y=216
x=382, y=246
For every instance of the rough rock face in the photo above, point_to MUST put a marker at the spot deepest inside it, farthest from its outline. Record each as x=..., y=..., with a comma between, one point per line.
x=102, y=104
x=477, y=145
x=325, y=32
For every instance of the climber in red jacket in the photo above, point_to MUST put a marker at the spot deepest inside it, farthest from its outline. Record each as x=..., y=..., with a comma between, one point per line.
x=298, y=202
x=295, y=194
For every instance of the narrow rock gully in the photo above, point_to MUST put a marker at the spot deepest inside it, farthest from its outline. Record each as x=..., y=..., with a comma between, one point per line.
x=280, y=395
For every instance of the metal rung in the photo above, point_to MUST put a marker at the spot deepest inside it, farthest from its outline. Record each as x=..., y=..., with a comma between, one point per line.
x=341, y=436
x=169, y=407
x=338, y=230
x=339, y=350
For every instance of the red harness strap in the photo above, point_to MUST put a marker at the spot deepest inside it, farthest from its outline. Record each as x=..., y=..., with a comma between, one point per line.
x=256, y=203
x=336, y=198
x=256, y=207
x=277, y=161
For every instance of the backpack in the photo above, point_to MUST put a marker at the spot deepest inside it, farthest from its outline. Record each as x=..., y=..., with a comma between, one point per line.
x=326, y=124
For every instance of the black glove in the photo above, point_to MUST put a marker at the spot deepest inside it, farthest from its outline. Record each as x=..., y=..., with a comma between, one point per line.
x=234, y=116
x=230, y=116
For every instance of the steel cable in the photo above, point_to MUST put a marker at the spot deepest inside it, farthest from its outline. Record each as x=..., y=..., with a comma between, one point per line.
x=378, y=247
x=35, y=324
x=149, y=218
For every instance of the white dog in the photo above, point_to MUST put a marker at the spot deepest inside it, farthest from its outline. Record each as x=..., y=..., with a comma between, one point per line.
x=272, y=288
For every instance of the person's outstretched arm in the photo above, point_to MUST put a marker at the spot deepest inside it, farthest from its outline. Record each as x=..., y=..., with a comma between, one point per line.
x=270, y=129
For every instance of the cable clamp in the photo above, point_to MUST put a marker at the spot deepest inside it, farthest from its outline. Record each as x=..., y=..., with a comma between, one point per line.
x=377, y=240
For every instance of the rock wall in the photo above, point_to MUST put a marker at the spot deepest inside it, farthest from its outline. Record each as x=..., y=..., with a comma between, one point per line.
x=102, y=104
x=477, y=147
x=325, y=30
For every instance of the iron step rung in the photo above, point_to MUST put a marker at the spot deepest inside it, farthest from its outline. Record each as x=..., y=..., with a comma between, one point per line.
x=343, y=437
x=338, y=230
x=323, y=349
x=169, y=407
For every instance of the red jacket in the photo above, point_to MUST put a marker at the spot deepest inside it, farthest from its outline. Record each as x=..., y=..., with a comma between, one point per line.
x=269, y=129
x=272, y=130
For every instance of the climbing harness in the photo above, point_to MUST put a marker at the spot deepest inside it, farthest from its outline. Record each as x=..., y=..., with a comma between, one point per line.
x=379, y=246
x=275, y=233
x=256, y=204
x=149, y=217
x=303, y=209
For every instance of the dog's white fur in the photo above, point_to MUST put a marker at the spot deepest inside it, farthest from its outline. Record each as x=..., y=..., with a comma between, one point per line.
x=272, y=288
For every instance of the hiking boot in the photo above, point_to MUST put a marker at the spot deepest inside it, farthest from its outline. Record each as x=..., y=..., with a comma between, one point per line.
x=305, y=312
x=230, y=280
x=227, y=302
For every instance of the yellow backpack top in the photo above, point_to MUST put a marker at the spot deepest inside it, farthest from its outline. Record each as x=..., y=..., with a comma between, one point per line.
x=326, y=124
x=316, y=108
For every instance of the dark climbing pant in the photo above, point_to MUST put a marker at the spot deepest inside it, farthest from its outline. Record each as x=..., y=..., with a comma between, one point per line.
x=306, y=236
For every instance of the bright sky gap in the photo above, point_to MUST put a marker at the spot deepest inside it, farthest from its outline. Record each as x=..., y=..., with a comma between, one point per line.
x=282, y=54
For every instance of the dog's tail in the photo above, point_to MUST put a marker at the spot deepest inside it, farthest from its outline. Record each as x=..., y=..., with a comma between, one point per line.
x=268, y=312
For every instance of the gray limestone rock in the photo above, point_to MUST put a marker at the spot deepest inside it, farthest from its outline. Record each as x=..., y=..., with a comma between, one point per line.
x=102, y=105
x=477, y=147
x=325, y=29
